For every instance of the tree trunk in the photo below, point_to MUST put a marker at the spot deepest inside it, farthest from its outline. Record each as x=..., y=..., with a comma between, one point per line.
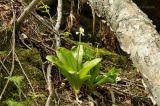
x=137, y=36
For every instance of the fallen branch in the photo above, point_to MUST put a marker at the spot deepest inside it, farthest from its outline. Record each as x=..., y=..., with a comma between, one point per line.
x=57, y=26
x=26, y=12
x=137, y=36
x=49, y=83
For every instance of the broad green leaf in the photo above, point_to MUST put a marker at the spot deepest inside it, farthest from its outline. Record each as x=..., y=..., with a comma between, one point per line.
x=70, y=64
x=74, y=52
x=78, y=55
x=58, y=63
x=105, y=79
x=98, y=78
x=88, y=66
x=84, y=77
x=75, y=82
x=73, y=78
x=109, y=77
x=113, y=73
x=89, y=54
x=67, y=58
x=51, y=58
x=94, y=73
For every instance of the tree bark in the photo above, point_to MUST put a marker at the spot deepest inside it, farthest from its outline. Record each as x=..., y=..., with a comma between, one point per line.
x=26, y=11
x=136, y=35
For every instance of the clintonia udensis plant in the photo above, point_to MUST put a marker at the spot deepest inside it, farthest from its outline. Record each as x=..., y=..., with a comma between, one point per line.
x=71, y=65
x=79, y=72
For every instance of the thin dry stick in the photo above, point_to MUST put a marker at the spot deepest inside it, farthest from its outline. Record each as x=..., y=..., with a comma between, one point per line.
x=13, y=59
x=71, y=17
x=13, y=55
x=59, y=17
x=49, y=68
x=8, y=74
x=41, y=20
x=26, y=11
x=112, y=96
x=6, y=58
x=43, y=70
x=50, y=18
x=94, y=19
x=5, y=68
x=57, y=26
x=49, y=82
x=17, y=59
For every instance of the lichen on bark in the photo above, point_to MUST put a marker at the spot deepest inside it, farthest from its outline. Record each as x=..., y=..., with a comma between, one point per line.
x=136, y=35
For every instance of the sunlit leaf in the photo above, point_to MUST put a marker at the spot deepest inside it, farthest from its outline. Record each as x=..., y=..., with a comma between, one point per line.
x=16, y=79
x=57, y=62
x=78, y=55
x=70, y=64
x=94, y=73
x=14, y=103
x=87, y=66
x=109, y=77
x=38, y=95
x=66, y=33
x=67, y=58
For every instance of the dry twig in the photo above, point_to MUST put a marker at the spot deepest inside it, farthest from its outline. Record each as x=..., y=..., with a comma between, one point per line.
x=57, y=26
x=13, y=53
x=49, y=68
x=26, y=11
x=17, y=59
x=49, y=83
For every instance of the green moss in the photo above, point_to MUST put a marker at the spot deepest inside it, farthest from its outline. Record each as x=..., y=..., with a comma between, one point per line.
x=5, y=37
x=27, y=55
x=31, y=63
x=115, y=58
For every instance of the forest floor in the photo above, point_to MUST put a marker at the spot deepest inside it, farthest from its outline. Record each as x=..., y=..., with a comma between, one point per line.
x=33, y=43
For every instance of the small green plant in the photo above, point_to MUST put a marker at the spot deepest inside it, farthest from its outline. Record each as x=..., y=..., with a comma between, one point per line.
x=72, y=67
x=17, y=80
x=97, y=79
x=81, y=66
x=108, y=77
x=38, y=96
x=66, y=34
x=44, y=9
x=14, y=103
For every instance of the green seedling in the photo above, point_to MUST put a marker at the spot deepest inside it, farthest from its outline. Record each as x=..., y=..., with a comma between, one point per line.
x=109, y=77
x=44, y=9
x=14, y=103
x=96, y=79
x=38, y=96
x=17, y=80
x=70, y=63
x=66, y=34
